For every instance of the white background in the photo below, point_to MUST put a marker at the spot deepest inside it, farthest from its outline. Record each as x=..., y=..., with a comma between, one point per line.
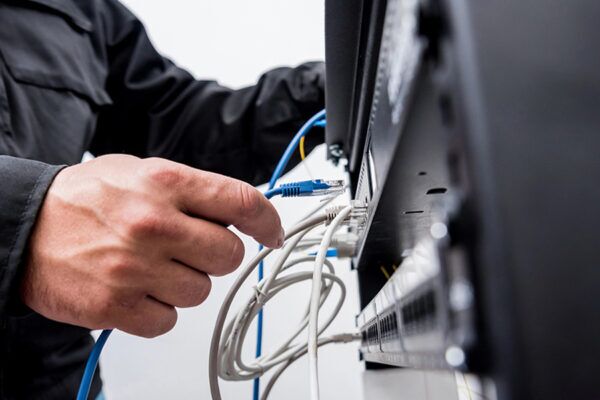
x=234, y=41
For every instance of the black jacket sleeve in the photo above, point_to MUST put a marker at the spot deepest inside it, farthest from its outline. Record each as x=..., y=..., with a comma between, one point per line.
x=24, y=185
x=161, y=110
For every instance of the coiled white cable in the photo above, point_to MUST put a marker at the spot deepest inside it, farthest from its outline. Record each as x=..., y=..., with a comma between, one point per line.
x=232, y=366
x=225, y=360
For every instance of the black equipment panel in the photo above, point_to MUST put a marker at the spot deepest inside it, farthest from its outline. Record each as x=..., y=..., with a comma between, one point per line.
x=494, y=135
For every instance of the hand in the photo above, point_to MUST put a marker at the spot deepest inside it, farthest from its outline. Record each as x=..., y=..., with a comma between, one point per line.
x=120, y=242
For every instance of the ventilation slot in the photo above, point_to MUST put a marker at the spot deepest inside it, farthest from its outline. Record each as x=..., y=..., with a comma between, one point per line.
x=437, y=191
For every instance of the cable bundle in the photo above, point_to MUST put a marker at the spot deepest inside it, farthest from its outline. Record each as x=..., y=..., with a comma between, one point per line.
x=228, y=338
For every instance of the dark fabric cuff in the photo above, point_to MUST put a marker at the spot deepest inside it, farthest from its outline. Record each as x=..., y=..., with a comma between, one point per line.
x=23, y=186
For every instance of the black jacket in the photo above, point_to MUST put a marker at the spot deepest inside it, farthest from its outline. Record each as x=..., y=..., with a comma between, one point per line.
x=82, y=74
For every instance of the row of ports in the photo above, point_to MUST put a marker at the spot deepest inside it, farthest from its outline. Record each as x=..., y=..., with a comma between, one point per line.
x=370, y=335
x=388, y=326
x=418, y=315
x=382, y=329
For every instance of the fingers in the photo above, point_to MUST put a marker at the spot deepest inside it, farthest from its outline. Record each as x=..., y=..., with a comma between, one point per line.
x=181, y=285
x=175, y=241
x=207, y=247
x=148, y=308
x=232, y=202
x=149, y=318
x=219, y=199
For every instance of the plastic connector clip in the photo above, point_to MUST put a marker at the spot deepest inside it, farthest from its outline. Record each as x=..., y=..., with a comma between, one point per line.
x=358, y=216
x=318, y=187
x=341, y=246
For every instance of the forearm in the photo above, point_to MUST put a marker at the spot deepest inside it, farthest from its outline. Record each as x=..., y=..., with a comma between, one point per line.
x=239, y=133
x=242, y=133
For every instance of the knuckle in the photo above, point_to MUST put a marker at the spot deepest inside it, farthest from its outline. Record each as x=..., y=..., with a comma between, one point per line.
x=163, y=172
x=251, y=201
x=145, y=223
x=118, y=267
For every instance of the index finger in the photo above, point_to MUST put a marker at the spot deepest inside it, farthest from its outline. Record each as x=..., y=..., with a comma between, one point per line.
x=230, y=201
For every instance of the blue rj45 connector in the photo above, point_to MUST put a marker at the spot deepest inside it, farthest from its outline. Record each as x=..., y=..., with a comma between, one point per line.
x=317, y=187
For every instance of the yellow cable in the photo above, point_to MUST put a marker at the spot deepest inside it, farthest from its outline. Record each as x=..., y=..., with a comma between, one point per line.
x=301, y=146
x=303, y=156
x=387, y=275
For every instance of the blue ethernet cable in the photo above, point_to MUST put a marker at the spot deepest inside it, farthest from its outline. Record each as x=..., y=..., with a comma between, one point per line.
x=92, y=364
x=321, y=123
x=317, y=187
x=318, y=118
x=289, y=151
x=294, y=189
x=269, y=194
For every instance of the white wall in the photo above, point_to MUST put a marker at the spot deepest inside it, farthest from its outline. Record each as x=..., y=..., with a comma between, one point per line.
x=233, y=41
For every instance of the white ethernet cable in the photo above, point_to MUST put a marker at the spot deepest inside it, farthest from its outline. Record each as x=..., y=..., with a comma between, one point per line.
x=232, y=366
x=225, y=359
x=315, y=298
x=338, y=338
x=215, y=346
x=343, y=243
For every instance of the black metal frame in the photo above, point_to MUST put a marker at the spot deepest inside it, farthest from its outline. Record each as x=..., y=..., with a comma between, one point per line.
x=503, y=115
